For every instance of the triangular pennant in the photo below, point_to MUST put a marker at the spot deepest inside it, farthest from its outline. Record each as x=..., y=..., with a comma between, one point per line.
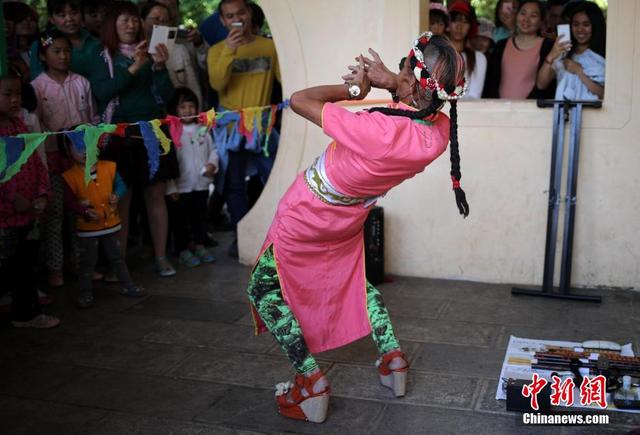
x=120, y=130
x=208, y=118
x=10, y=150
x=175, y=129
x=165, y=143
x=152, y=144
x=273, y=111
x=251, y=123
x=77, y=139
x=31, y=143
x=92, y=134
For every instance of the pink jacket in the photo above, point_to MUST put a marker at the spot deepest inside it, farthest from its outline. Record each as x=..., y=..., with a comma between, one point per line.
x=63, y=105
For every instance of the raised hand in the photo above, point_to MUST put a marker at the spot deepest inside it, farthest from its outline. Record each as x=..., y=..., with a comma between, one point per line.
x=379, y=75
x=559, y=48
x=572, y=66
x=361, y=79
x=161, y=56
x=140, y=57
x=235, y=38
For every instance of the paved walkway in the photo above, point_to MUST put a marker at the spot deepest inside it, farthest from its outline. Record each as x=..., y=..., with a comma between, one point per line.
x=184, y=361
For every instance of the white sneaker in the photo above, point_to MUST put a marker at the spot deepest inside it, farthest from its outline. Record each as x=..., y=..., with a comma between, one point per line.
x=41, y=321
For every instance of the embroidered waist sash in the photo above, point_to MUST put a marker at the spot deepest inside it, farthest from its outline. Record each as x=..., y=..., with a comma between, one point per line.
x=316, y=179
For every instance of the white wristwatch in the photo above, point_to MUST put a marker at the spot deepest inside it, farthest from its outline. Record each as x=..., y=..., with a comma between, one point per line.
x=354, y=90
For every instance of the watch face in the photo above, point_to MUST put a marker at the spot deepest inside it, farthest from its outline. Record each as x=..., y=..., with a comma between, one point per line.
x=354, y=90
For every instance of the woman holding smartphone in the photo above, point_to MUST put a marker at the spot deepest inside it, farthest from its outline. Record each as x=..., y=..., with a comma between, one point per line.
x=581, y=70
x=130, y=85
x=182, y=69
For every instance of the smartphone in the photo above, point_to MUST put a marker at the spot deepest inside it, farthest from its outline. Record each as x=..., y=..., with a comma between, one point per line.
x=564, y=32
x=182, y=35
x=162, y=35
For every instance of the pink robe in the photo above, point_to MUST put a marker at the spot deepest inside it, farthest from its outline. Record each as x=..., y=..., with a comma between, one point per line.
x=318, y=247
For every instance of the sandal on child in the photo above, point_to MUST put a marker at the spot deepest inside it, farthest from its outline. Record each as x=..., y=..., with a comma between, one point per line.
x=204, y=255
x=395, y=379
x=306, y=404
x=186, y=258
x=164, y=268
x=134, y=292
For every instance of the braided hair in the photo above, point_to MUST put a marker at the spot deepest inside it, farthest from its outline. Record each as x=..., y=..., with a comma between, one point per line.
x=446, y=70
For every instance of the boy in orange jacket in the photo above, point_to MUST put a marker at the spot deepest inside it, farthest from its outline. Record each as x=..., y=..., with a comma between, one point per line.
x=96, y=205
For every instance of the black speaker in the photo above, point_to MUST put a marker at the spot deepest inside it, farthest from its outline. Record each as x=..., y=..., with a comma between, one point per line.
x=374, y=245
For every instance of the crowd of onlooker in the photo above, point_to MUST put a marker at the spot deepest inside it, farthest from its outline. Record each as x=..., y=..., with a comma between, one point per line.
x=92, y=63
x=518, y=54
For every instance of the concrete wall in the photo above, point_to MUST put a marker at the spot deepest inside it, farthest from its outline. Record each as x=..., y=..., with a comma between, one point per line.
x=505, y=151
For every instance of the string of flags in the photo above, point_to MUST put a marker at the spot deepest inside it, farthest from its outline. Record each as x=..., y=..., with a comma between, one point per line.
x=252, y=123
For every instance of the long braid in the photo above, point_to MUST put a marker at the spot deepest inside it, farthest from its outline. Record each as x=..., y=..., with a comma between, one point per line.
x=456, y=175
x=412, y=114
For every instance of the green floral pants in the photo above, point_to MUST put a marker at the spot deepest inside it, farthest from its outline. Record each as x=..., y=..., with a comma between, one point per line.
x=266, y=296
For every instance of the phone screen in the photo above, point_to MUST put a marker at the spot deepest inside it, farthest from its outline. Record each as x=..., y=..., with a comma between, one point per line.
x=564, y=32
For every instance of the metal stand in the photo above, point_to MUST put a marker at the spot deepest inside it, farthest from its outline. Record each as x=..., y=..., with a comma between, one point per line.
x=560, y=110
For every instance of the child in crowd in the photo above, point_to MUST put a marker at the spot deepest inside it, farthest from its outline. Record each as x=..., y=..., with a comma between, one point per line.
x=438, y=18
x=483, y=42
x=64, y=100
x=198, y=160
x=65, y=15
x=93, y=13
x=96, y=205
x=23, y=199
x=25, y=21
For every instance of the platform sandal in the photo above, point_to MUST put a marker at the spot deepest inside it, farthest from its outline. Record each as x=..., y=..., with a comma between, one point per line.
x=395, y=379
x=306, y=404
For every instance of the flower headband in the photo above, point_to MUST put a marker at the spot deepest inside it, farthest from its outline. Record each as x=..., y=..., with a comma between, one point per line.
x=45, y=42
x=424, y=76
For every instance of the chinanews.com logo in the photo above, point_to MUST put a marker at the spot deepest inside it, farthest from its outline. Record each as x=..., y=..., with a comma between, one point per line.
x=592, y=392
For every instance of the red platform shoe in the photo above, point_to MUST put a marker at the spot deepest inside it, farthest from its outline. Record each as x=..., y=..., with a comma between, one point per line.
x=306, y=404
x=395, y=379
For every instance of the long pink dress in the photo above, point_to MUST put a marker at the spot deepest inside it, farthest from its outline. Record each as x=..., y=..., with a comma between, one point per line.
x=318, y=247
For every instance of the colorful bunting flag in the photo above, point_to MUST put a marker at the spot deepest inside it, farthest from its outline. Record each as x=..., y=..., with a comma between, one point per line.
x=175, y=129
x=271, y=121
x=16, y=150
x=31, y=142
x=77, y=139
x=165, y=143
x=208, y=118
x=152, y=144
x=251, y=123
x=92, y=134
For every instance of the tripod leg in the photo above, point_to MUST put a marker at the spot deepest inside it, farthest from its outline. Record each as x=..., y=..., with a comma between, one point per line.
x=555, y=179
x=570, y=211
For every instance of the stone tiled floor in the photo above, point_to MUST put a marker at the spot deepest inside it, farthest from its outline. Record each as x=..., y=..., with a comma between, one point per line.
x=184, y=360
